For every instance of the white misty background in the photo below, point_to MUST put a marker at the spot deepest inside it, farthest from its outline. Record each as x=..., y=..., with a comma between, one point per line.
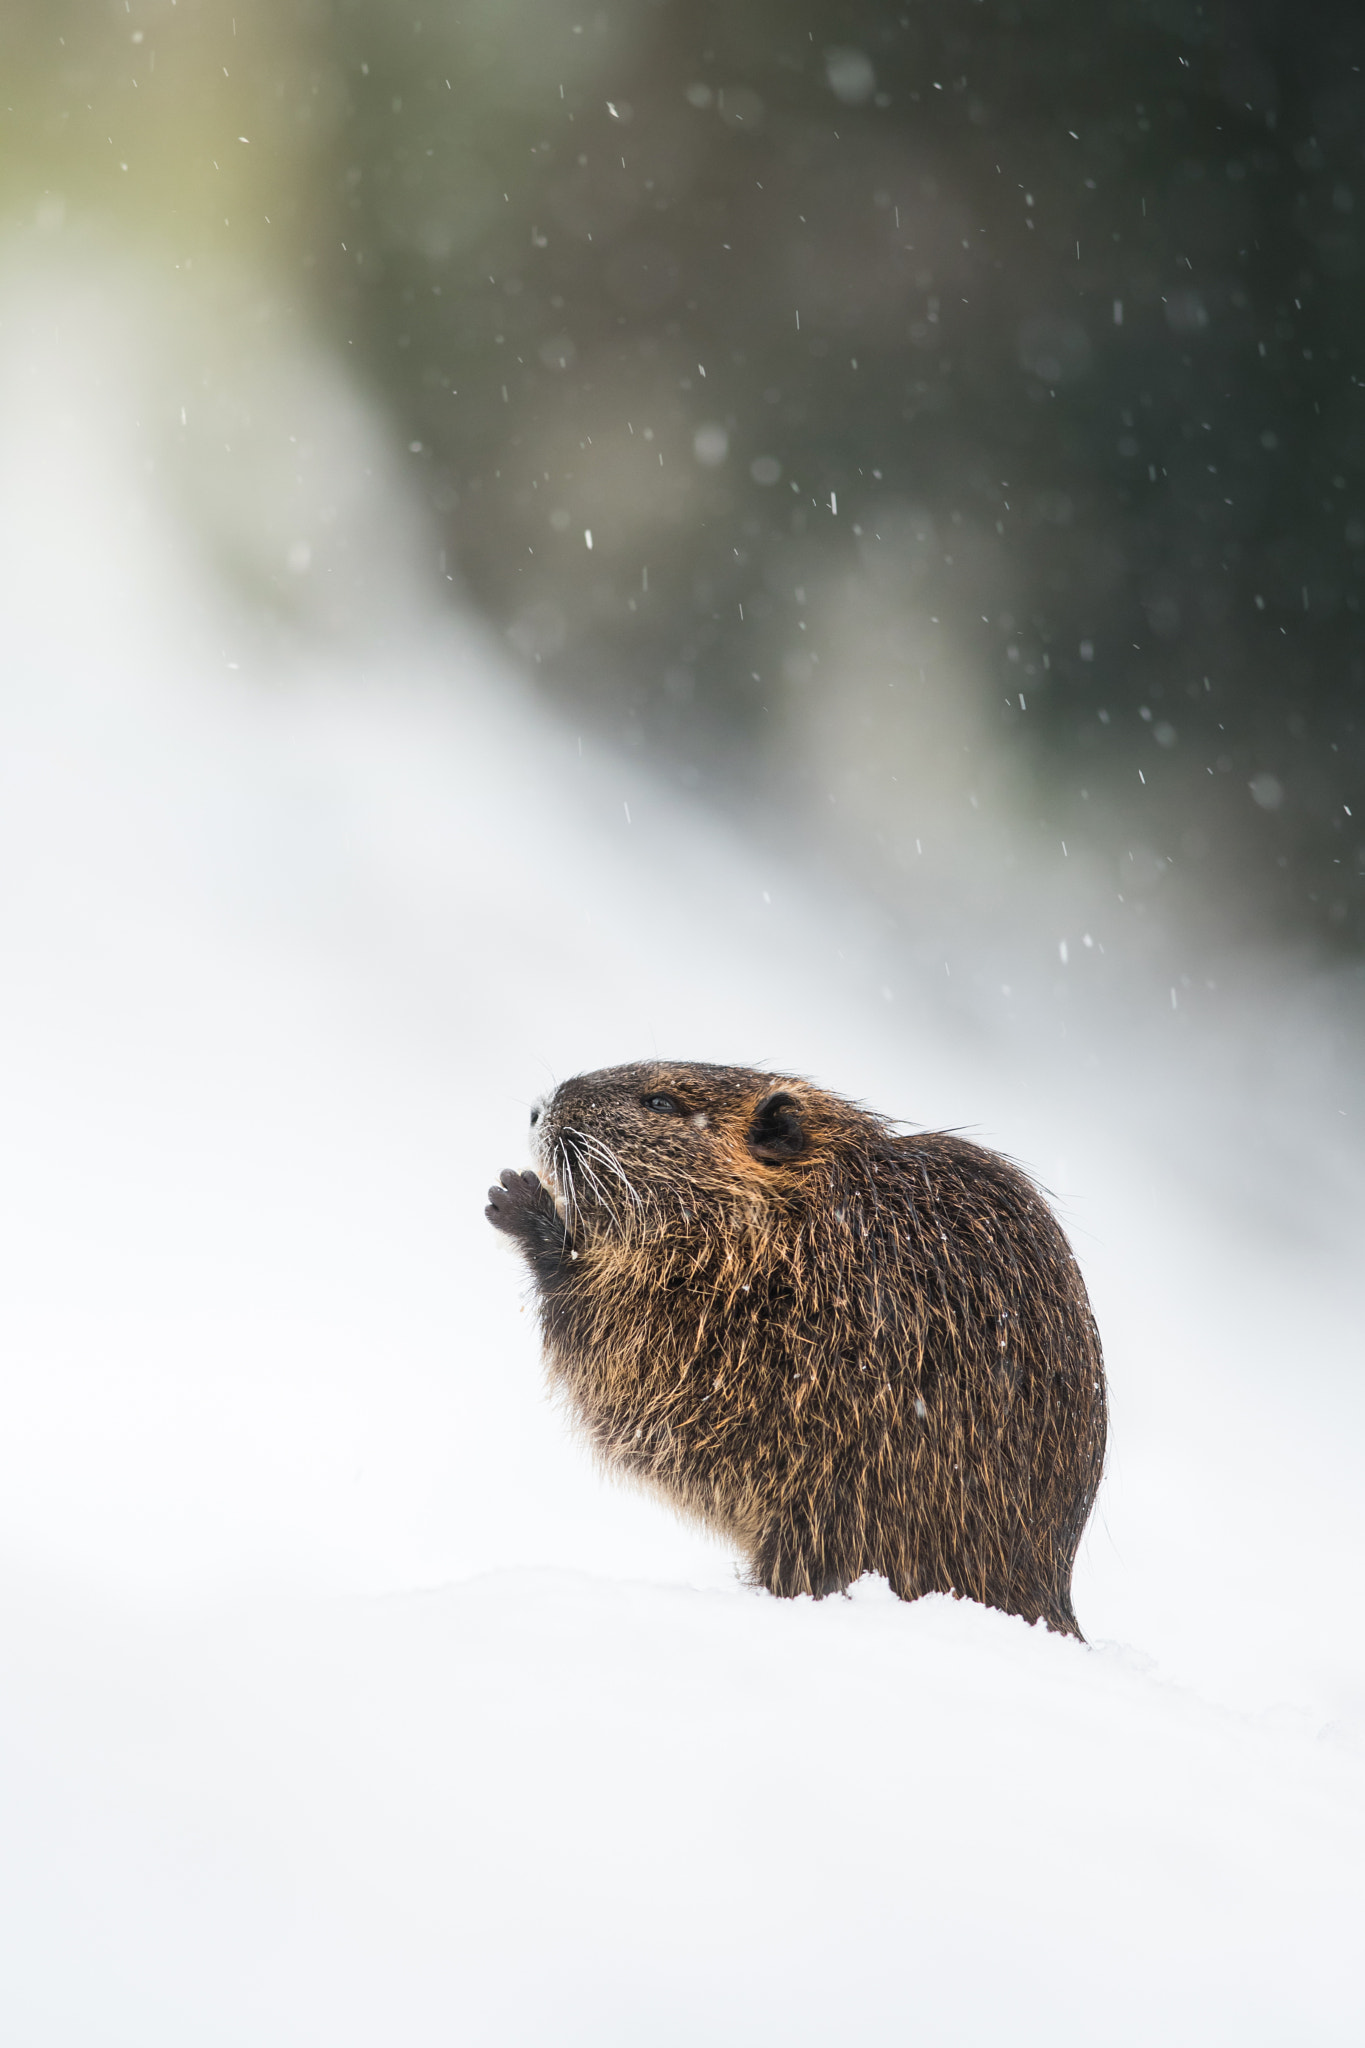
x=340, y=1698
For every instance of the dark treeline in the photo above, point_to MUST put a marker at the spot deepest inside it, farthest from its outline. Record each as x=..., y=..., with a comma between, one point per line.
x=1061, y=300
x=1043, y=315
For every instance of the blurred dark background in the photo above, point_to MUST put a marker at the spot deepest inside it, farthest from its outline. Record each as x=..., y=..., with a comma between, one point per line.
x=1005, y=352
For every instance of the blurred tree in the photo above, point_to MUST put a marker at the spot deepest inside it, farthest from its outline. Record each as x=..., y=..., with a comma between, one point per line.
x=710, y=327
x=198, y=124
x=1058, y=299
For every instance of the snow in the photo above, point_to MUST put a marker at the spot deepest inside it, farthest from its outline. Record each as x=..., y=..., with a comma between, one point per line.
x=341, y=1700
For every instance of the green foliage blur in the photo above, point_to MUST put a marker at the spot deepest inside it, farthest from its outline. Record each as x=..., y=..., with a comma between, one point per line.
x=712, y=328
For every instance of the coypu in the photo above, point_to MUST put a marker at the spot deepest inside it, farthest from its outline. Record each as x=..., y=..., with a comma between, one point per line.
x=847, y=1349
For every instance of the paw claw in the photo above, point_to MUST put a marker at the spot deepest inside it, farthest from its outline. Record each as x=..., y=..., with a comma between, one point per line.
x=523, y=1208
x=514, y=1199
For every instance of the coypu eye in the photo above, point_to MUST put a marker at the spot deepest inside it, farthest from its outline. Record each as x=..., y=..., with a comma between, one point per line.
x=664, y=1105
x=535, y=1118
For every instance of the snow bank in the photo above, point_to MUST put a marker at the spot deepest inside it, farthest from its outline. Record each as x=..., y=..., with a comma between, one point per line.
x=341, y=1699
x=547, y=1807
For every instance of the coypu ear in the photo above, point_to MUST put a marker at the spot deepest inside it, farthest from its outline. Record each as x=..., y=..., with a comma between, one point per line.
x=776, y=1133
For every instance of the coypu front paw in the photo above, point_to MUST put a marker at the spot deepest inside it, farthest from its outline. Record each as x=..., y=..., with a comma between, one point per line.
x=522, y=1207
x=516, y=1197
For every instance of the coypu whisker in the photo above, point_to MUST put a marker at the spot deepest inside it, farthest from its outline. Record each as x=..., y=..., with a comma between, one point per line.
x=564, y=1163
x=613, y=1165
x=592, y=1178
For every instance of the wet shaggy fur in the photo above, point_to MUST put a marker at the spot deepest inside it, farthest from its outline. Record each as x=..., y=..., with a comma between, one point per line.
x=846, y=1349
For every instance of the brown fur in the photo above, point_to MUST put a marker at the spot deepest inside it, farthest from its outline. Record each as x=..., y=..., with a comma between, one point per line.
x=846, y=1349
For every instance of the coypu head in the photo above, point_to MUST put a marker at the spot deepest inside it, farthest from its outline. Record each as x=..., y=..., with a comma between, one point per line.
x=628, y=1146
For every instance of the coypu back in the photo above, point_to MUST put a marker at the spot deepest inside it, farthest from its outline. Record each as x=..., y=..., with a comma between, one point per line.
x=847, y=1349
